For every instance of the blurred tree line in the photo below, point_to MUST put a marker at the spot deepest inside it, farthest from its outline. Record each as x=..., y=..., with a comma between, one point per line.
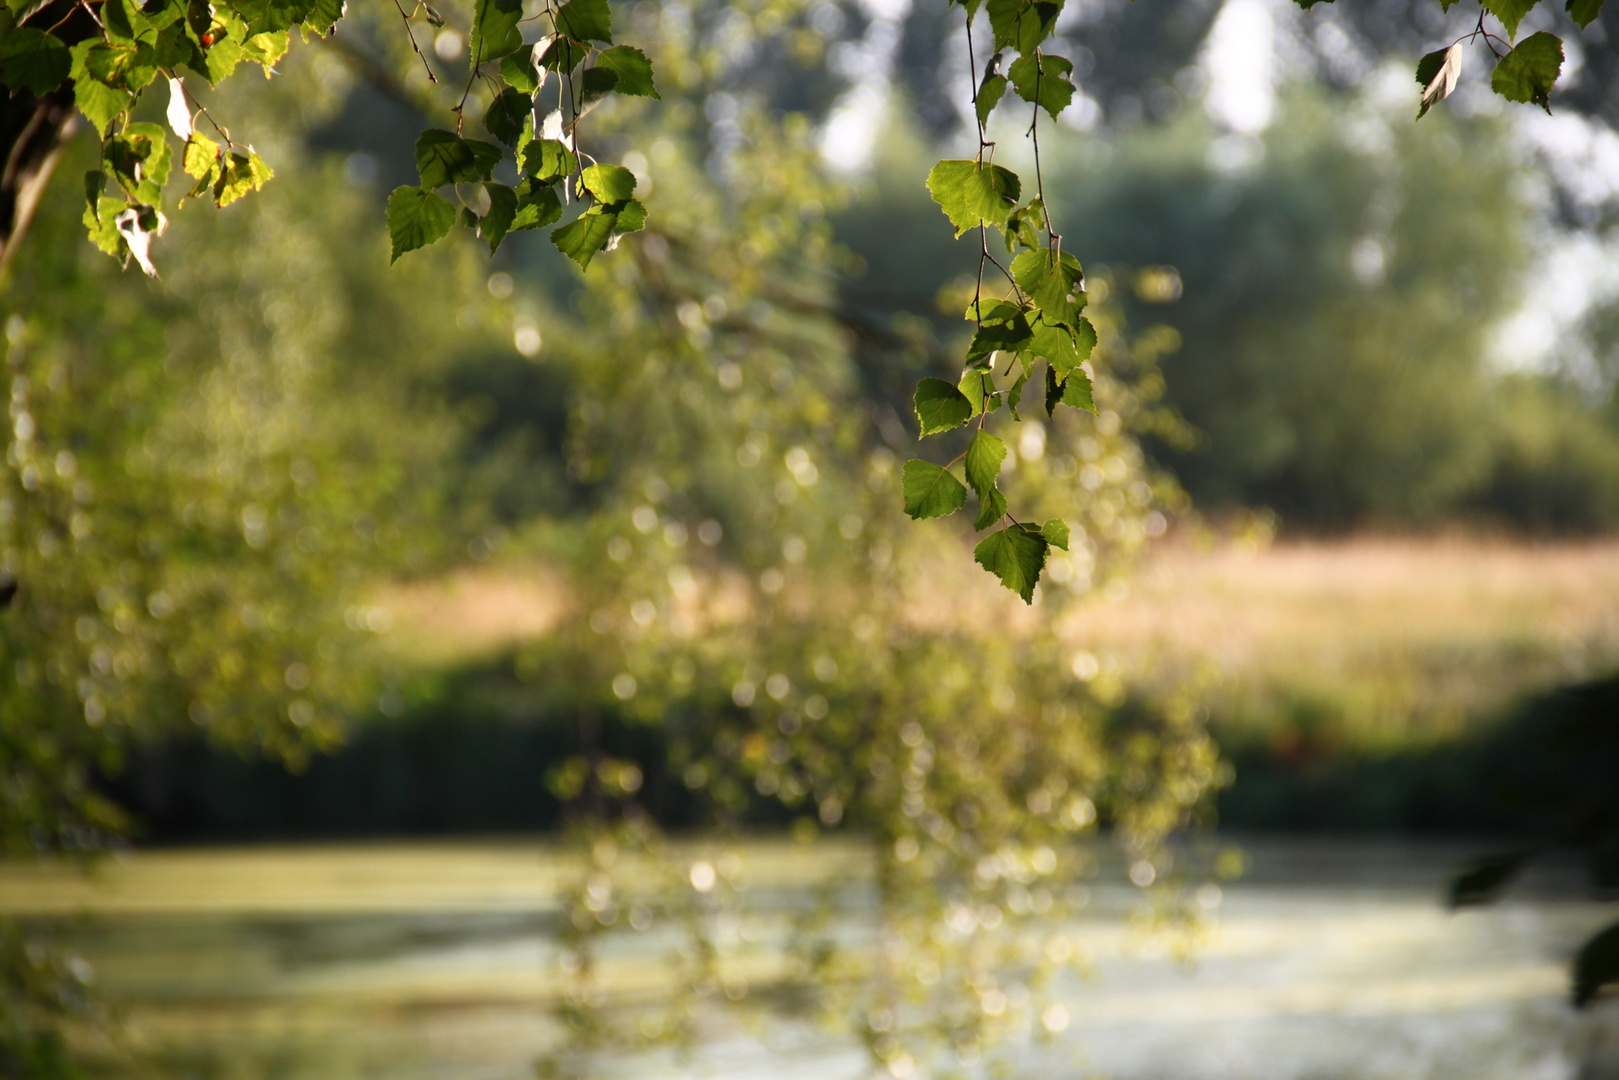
x=1334, y=288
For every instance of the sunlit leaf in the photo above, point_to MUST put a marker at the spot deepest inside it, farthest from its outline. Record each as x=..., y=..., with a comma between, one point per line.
x=608, y=183
x=1055, y=530
x=502, y=212
x=989, y=95
x=971, y=192
x=930, y=490
x=632, y=68
x=940, y=406
x=985, y=455
x=1043, y=80
x=1529, y=72
x=495, y=29
x=1016, y=555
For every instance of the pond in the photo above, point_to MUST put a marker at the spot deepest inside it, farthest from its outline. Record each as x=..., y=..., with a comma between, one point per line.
x=1326, y=960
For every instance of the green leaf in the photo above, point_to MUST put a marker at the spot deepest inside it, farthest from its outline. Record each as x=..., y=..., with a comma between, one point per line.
x=95, y=182
x=1043, y=80
x=1076, y=391
x=442, y=157
x=265, y=50
x=1528, y=73
x=930, y=491
x=324, y=14
x=940, y=406
x=974, y=385
x=122, y=24
x=417, y=217
x=970, y=192
x=1012, y=337
x=33, y=60
x=240, y=173
x=1438, y=72
x=597, y=228
x=1483, y=882
x=502, y=212
x=100, y=103
x=633, y=69
x=1022, y=24
x=101, y=223
x=548, y=160
x=1055, y=345
x=1510, y=12
x=586, y=20
x=175, y=48
x=269, y=16
x=506, y=114
x=537, y=206
x=1054, y=281
x=989, y=95
x=156, y=159
x=563, y=55
x=1596, y=965
x=204, y=160
x=1014, y=394
x=1055, y=530
x=495, y=29
x=991, y=508
x=1023, y=225
x=221, y=58
x=201, y=156
x=1016, y=555
x=608, y=183
x=631, y=218
x=1584, y=12
x=985, y=455
x=518, y=70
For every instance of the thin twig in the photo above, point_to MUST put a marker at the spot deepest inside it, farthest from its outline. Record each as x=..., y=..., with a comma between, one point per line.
x=417, y=48
x=201, y=108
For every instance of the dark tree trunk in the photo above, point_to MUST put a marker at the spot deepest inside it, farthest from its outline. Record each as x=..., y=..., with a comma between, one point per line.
x=32, y=131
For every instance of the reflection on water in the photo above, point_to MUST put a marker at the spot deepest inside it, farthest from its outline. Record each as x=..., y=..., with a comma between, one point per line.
x=1326, y=961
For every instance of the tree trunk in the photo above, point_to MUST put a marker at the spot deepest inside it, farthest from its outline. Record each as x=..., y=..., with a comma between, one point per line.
x=32, y=131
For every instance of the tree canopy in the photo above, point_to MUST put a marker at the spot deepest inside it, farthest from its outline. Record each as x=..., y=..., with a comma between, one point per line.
x=532, y=79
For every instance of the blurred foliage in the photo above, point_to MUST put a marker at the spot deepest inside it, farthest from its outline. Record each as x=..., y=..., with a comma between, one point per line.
x=1333, y=274
x=218, y=473
x=1330, y=292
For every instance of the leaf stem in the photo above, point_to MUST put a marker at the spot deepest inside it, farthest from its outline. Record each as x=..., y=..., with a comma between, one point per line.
x=415, y=47
x=201, y=108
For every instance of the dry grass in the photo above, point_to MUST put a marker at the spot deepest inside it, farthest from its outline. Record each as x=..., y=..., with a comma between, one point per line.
x=1404, y=639
x=1411, y=636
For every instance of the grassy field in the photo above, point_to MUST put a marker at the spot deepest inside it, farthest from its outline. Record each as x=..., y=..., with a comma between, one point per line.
x=1377, y=644
x=1390, y=643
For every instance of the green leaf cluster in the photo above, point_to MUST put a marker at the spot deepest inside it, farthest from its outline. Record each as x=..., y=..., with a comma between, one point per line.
x=547, y=161
x=135, y=46
x=1037, y=321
